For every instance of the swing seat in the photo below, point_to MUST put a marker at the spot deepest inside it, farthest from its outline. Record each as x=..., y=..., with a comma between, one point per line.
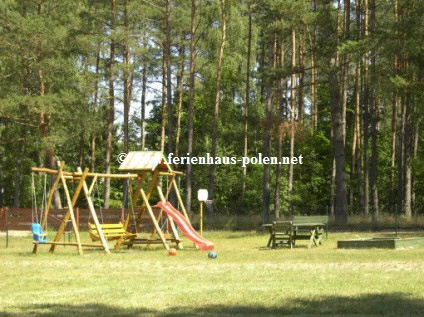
x=37, y=233
x=111, y=231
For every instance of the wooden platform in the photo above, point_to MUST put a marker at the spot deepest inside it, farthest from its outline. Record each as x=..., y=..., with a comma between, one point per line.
x=381, y=243
x=89, y=245
x=148, y=241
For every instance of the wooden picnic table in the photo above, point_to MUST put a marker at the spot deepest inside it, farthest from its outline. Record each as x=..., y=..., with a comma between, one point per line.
x=311, y=231
x=269, y=227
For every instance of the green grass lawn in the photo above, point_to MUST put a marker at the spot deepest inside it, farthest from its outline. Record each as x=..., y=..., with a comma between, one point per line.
x=245, y=279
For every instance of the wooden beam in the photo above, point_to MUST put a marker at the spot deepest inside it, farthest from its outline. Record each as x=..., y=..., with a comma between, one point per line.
x=94, y=215
x=170, y=173
x=93, y=183
x=168, y=190
x=177, y=192
x=92, y=245
x=171, y=221
x=152, y=216
x=149, y=192
x=71, y=210
x=79, y=174
x=62, y=227
x=163, y=198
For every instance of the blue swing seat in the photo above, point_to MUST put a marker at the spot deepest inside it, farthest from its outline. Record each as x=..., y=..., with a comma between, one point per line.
x=37, y=233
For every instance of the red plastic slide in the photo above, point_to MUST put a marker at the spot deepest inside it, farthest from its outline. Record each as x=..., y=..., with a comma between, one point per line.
x=186, y=227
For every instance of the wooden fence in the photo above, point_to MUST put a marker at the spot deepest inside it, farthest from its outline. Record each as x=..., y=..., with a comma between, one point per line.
x=22, y=218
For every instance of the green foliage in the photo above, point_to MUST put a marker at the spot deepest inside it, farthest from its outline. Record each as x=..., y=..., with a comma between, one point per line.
x=54, y=64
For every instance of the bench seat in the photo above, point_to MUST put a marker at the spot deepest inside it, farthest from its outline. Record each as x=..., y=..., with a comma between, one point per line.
x=113, y=231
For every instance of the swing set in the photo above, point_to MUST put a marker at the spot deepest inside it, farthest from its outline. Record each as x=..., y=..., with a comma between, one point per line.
x=144, y=168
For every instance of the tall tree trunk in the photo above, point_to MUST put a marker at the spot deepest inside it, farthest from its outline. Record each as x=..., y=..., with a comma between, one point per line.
x=358, y=113
x=314, y=75
x=301, y=80
x=189, y=170
x=44, y=120
x=261, y=68
x=163, y=105
x=339, y=148
x=366, y=112
x=415, y=157
x=338, y=113
x=407, y=163
x=266, y=188
x=126, y=81
x=111, y=117
x=43, y=127
x=333, y=186
x=374, y=159
x=247, y=100
x=355, y=170
x=180, y=99
x=374, y=116
x=217, y=101
x=314, y=91
x=292, y=115
x=395, y=104
x=95, y=109
x=278, y=178
x=168, y=78
x=278, y=170
x=394, y=127
x=401, y=150
x=345, y=68
x=82, y=150
x=18, y=175
x=143, y=97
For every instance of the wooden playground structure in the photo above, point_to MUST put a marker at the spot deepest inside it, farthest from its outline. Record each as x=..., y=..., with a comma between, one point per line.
x=144, y=169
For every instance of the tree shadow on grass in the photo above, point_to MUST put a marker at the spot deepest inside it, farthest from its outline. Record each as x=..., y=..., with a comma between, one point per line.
x=389, y=304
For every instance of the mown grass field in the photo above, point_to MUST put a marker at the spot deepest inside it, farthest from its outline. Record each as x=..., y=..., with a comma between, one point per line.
x=246, y=279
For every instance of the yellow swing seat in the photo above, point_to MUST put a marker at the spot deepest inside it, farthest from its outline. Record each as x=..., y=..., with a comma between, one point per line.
x=111, y=231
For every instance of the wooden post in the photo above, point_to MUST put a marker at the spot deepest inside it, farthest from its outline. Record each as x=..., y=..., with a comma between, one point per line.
x=6, y=217
x=152, y=216
x=201, y=218
x=94, y=215
x=65, y=220
x=170, y=220
x=163, y=199
x=71, y=210
x=93, y=183
x=78, y=218
x=170, y=185
x=177, y=192
x=149, y=192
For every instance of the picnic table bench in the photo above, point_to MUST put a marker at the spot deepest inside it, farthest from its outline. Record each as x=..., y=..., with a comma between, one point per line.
x=309, y=228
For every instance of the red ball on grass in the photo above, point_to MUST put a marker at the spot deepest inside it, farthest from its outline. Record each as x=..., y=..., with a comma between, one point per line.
x=172, y=252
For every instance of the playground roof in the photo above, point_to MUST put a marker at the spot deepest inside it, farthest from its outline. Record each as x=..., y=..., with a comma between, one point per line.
x=144, y=161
